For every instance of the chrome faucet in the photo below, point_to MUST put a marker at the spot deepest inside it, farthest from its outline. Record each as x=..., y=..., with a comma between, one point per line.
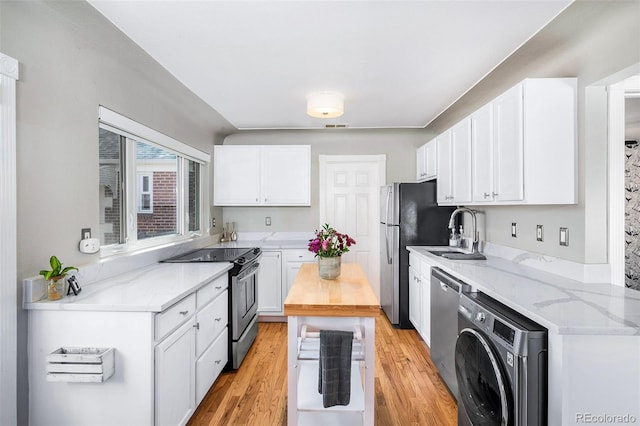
x=476, y=236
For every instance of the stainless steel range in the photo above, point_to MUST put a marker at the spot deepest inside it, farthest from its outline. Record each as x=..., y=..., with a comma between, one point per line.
x=243, y=293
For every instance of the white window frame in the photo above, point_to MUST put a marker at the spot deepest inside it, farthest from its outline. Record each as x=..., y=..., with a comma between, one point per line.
x=136, y=132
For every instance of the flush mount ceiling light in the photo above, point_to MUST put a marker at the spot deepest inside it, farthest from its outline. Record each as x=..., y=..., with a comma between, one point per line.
x=325, y=105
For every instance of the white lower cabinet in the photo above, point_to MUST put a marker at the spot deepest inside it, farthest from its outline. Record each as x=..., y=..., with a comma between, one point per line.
x=420, y=296
x=270, y=295
x=415, y=310
x=278, y=271
x=292, y=262
x=175, y=376
x=190, y=359
x=425, y=302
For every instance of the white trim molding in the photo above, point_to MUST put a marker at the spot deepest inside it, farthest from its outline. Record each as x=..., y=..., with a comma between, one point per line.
x=8, y=248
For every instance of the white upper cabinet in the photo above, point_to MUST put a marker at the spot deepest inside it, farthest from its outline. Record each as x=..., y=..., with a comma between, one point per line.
x=482, y=153
x=426, y=161
x=236, y=175
x=497, y=146
x=523, y=147
x=454, y=164
x=265, y=175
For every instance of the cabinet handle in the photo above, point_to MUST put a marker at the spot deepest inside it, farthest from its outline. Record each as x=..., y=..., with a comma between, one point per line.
x=257, y=200
x=184, y=313
x=218, y=319
x=218, y=287
x=197, y=326
x=486, y=195
x=495, y=194
x=218, y=361
x=265, y=200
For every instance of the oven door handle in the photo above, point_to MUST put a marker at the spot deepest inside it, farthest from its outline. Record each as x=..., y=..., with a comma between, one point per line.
x=251, y=272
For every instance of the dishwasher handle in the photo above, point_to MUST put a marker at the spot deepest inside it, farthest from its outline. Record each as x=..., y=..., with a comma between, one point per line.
x=448, y=281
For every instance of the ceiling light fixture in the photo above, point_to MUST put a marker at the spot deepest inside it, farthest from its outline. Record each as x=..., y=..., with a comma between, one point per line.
x=325, y=105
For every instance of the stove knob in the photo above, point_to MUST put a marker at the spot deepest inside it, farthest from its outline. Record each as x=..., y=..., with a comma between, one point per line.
x=256, y=250
x=480, y=317
x=241, y=260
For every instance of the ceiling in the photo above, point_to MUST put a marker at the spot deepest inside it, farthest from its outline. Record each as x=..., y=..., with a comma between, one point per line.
x=399, y=64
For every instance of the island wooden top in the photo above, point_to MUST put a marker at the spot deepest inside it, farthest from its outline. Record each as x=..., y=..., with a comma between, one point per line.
x=350, y=295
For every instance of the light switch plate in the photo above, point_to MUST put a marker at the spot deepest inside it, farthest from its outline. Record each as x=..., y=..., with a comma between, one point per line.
x=564, y=236
x=539, y=233
x=514, y=229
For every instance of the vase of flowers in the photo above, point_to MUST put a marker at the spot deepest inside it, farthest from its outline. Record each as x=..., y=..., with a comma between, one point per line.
x=329, y=245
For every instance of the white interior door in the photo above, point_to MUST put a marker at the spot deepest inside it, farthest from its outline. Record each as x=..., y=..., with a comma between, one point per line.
x=349, y=202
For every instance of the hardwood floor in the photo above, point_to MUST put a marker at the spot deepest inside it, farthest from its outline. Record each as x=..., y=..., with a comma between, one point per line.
x=408, y=388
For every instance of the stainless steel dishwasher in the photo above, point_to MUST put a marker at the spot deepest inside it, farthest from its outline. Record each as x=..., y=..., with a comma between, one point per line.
x=445, y=299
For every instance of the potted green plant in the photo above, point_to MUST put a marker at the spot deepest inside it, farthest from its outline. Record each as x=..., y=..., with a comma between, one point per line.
x=55, y=278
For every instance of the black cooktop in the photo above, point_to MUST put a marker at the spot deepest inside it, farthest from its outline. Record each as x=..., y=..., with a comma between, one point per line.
x=218, y=254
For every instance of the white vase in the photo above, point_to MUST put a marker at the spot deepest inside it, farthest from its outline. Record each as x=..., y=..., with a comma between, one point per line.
x=329, y=267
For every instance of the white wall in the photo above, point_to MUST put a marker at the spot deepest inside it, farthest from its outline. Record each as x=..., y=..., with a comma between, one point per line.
x=589, y=40
x=398, y=145
x=73, y=60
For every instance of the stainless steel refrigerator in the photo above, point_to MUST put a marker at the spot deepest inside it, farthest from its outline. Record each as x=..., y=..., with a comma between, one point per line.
x=409, y=216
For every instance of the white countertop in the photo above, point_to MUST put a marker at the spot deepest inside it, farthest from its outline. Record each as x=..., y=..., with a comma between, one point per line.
x=150, y=289
x=563, y=305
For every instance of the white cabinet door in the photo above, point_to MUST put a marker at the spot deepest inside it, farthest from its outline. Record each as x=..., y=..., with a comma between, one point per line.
x=430, y=160
x=286, y=178
x=425, y=294
x=482, y=153
x=236, y=175
x=461, y=161
x=175, y=376
x=415, y=300
x=293, y=260
x=421, y=174
x=508, y=145
x=444, y=183
x=270, y=297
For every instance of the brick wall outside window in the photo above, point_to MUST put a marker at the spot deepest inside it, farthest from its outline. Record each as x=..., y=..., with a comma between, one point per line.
x=163, y=219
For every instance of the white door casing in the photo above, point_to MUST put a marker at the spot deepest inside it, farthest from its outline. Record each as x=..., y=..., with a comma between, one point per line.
x=349, y=202
x=8, y=241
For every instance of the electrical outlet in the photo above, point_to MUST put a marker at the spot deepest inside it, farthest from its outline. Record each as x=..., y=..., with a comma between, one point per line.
x=213, y=222
x=564, y=236
x=267, y=221
x=85, y=233
x=514, y=229
x=539, y=233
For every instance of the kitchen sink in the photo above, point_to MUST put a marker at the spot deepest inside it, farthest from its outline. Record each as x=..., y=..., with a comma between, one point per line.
x=458, y=255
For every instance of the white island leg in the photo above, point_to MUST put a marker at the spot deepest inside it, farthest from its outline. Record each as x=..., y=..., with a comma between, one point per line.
x=292, y=371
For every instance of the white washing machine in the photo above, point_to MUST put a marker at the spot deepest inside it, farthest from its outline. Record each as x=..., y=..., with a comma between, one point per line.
x=501, y=365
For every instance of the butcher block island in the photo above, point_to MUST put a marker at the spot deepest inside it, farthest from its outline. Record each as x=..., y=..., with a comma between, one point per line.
x=331, y=333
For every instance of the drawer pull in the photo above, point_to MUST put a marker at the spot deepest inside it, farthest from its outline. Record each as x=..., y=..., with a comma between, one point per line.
x=219, y=319
x=183, y=313
x=218, y=287
x=218, y=361
x=197, y=326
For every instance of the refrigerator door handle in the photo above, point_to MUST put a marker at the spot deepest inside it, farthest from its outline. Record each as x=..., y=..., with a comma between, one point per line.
x=386, y=229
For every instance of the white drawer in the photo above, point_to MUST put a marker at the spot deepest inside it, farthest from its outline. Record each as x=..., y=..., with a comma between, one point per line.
x=299, y=255
x=169, y=319
x=211, y=320
x=210, y=365
x=211, y=290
